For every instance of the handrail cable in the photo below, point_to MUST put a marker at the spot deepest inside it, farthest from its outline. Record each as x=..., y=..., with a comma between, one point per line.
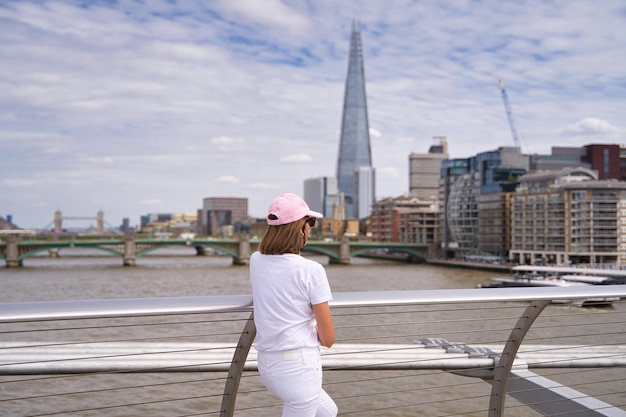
x=401, y=390
x=413, y=405
x=68, y=376
x=477, y=319
x=117, y=406
x=509, y=305
x=122, y=355
x=162, y=384
x=119, y=325
x=464, y=332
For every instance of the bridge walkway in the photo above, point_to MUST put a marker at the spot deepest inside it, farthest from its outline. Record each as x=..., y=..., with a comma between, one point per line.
x=397, y=354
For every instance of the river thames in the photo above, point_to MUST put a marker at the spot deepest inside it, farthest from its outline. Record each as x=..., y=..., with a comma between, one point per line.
x=87, y=274
x=178, y=273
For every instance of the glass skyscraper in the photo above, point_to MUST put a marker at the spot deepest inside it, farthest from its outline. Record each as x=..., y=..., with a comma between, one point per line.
x=354, y=145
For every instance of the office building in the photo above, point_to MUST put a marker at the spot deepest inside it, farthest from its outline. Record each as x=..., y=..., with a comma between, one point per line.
x=406, y=219
x=424, y=170
x=475, y=194
x=354, y=144
x=414, y=217
x=559, y=157
x=451, y=170
x=608, y=160
x=223, y=216
x=167, y=224
x=568, y=215
x=365, y=179
x=322, y=195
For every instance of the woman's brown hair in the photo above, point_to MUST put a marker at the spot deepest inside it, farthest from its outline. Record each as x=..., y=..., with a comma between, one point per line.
x=285, y=238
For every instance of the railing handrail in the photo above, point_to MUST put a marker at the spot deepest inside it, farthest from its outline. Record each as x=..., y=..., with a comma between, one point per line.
x=99, y=308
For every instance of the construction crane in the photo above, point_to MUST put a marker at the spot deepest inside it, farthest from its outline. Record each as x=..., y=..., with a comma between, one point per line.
x=509, y=113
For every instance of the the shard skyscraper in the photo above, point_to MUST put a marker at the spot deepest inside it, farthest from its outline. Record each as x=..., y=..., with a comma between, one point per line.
x=355, y=175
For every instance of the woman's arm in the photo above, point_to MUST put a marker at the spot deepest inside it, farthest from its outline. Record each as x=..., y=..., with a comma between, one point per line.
x=325, y=328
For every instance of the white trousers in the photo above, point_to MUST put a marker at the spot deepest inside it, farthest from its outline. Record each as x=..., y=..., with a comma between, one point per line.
x=295, y=376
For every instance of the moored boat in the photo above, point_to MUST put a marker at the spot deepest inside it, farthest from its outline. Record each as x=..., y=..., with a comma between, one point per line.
x=528, y=276
x=592, y=275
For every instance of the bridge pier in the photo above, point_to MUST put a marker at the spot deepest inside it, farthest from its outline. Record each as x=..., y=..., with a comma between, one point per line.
x=130, y=250
x=244, y=251
x=12, y=257
x=413, y=259
x=344, y=252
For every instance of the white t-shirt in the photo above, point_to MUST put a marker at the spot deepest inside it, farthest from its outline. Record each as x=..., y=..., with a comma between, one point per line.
x=283, y=289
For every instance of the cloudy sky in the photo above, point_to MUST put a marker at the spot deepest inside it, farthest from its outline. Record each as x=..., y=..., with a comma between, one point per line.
x=136, y=107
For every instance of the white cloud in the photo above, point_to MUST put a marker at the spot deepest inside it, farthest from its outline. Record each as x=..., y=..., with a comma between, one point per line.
x=296, y=158
x=228, y=143
x=227, y=179
x=99, y=160
x=590, y=126
x=268, y=12
x=17, y=183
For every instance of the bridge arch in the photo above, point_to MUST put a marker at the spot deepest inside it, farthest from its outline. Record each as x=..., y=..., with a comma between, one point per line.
x=29, y=252
x=411, y=252
x=322, y=251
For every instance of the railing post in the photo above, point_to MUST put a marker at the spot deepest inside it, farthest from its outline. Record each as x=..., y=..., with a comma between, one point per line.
x=236, y=368
x=505, y=362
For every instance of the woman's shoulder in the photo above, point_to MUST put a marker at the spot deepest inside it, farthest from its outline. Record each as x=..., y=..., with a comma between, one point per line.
x=309, y=263
x=288, y=257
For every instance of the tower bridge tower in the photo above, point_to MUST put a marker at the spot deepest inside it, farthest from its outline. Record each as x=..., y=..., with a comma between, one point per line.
x=59, y=218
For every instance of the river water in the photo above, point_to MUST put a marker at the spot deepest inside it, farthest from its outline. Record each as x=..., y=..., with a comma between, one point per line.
x=83, y=274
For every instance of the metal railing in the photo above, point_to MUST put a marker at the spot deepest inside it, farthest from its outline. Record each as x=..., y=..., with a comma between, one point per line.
x=479, y=352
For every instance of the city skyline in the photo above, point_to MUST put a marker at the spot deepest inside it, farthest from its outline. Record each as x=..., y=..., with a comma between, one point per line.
x=135, y=108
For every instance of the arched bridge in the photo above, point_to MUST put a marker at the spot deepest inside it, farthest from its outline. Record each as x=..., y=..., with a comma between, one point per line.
x=341, y=252
x=131, y=247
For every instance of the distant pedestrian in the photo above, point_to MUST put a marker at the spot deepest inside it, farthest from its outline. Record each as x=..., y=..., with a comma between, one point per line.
x=291, y=313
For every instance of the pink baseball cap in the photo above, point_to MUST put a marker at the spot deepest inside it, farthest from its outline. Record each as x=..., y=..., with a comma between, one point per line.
x=289, y=208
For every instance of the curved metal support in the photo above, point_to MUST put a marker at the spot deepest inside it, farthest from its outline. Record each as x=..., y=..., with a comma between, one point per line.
x=236, y=368
x=503, y=368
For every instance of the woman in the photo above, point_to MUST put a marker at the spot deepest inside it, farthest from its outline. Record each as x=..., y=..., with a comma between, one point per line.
x=291, y=312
